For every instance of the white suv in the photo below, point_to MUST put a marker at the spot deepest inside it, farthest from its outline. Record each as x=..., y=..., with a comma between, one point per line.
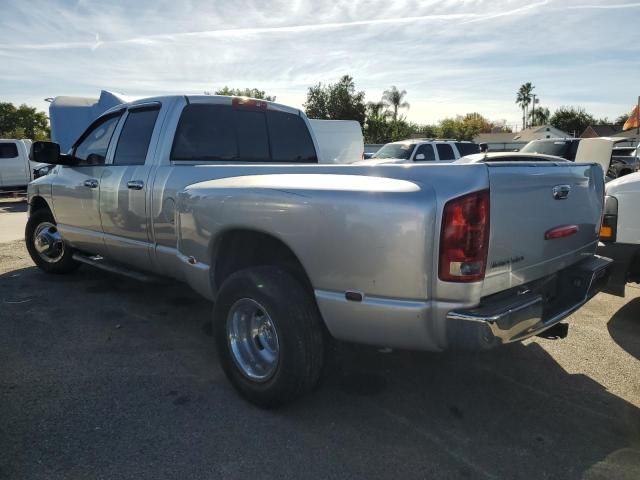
x=424, y=150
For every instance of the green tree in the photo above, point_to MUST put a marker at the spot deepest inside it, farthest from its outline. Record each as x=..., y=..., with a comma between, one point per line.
x=23, y=122
x=572, y=120
x=337, y=101
x=523, y=100
x=394, y=98
x=244, y=92
x=621, y=119
x=539, y=116
x=377, y=128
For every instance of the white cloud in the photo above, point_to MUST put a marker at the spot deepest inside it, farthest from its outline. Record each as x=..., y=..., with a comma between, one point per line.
x=451, y=56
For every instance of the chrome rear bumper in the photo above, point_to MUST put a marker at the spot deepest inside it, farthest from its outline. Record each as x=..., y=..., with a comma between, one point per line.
x=527, y=310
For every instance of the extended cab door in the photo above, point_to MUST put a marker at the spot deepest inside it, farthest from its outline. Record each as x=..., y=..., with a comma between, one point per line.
x=124, y=186
x=14, y=166
x=75, y=188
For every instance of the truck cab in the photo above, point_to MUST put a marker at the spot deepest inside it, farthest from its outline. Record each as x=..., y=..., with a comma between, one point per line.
x=424, y=150
x=16, y=170
x=620, y=232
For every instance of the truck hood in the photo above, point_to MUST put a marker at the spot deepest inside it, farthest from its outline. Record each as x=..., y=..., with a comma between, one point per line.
x=627, y=184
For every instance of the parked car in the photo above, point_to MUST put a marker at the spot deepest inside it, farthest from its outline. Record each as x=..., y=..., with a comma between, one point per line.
x=620, y=232
x=423, y=150
x=16, y=170
x=558, y=147
x=226, y=195
x=371, y=148
x=624, y=160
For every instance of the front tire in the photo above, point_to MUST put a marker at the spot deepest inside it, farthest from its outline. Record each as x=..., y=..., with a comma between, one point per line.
x=269, y=336
x=45, y=245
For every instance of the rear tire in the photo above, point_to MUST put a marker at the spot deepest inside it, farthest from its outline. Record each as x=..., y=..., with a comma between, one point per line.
x=269, y=336
x=45, y=246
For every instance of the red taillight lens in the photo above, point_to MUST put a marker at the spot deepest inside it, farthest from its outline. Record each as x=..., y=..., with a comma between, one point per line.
x=464, y=239
x=249, y=103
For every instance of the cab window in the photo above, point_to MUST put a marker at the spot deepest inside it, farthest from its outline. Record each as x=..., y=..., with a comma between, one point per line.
x=425, y=149
x=8, y=150
x=445, y=152
x=134, y=139
x=94, y=143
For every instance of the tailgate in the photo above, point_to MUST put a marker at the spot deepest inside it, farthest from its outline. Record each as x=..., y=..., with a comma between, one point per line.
x=524, y=208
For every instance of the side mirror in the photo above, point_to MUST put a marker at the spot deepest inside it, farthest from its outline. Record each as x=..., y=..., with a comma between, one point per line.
x=49, y=152
x=420, y=156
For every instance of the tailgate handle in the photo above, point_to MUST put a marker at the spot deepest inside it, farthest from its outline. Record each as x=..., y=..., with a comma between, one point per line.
x=561, y=192
x=560, y=232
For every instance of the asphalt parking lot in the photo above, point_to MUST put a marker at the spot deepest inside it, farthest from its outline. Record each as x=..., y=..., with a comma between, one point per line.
x=104, y=377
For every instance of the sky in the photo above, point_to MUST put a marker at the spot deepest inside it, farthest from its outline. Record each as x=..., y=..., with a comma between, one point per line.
x=451, y=56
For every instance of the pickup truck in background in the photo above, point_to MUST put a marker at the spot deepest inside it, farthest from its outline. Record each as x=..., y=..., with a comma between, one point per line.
x=422, y=150
x=227, y=195
x=16, y=170
x=620, y=232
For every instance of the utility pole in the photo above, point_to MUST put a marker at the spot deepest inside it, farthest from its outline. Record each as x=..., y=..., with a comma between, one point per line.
x=533, y=111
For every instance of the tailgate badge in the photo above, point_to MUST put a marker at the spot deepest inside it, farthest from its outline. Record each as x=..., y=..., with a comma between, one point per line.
x=561, y=192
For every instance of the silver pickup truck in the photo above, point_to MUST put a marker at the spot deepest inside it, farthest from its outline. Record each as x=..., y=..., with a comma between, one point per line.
x=226, y=194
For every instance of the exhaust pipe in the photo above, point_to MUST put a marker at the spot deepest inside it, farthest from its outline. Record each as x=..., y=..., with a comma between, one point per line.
x=558, y=331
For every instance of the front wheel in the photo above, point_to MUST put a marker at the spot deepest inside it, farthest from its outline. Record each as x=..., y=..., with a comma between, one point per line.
x=45, y=245
x=269, y=335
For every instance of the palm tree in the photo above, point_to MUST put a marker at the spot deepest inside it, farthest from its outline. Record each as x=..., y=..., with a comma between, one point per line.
x=376, y=110
x=523, y=100
x=394, y=98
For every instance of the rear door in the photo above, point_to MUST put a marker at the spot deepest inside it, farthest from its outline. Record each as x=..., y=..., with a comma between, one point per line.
x=14, y=168
x=531, y=204
x=124, y=186
x=445, y=152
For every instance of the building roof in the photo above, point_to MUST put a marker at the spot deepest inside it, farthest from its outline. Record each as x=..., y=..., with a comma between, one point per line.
x=523, y=136
x=601, y=130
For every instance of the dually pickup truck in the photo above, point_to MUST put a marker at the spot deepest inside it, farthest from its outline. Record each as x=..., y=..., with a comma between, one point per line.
x=226, y=194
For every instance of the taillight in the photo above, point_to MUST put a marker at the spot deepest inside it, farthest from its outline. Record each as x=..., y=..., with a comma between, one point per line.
x=249, y=103
x=609, y=223
x=464, y=239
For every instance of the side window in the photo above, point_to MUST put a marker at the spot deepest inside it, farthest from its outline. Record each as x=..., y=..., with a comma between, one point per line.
x=467, y=148
x=205, y=132
x=290, y=139
x=135, y=136
x=445, y=152
x=92, y=149
x=571, y=155
x=425, y=149
x=253, y=139
x=8, y=150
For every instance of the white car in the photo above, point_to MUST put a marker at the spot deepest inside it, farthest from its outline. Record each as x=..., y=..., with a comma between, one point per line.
x=422, y=150
x=509, y=157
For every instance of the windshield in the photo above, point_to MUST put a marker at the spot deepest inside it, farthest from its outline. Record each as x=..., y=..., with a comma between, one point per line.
x=395, y=150
x=559, y=148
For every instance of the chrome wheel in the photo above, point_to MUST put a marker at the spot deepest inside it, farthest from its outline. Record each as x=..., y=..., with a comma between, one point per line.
x=48, y=243
x=253, y=340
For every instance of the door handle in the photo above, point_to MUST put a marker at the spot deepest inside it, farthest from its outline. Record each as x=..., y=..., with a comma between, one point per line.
x=91, y=183
x=135, y=184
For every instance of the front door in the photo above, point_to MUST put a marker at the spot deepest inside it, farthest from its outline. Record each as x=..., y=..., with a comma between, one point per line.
x=123, y=190
x=75, y=189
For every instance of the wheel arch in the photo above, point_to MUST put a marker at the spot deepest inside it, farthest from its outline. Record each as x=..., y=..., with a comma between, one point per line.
x=38, y=203
x=239, y=248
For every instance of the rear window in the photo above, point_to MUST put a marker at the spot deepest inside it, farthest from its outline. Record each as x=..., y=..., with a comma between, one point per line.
x=559, y=148
x=445, y=152
x=467, y=148
x=224, y=133
x=8, y=150
x=290, y=139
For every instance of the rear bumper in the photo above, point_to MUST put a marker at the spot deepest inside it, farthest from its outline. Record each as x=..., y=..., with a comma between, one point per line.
x=529, y=309
x=622, y=255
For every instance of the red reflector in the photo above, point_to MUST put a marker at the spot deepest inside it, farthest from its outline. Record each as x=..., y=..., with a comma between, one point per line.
x=560, y=232
x=248, y=103
x=464, y=239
